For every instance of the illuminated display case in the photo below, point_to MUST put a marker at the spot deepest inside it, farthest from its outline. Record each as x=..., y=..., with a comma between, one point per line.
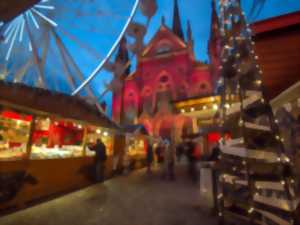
x=51, y=138
x=14, y=134
x=56, y=139
x=136, y=145
x=106, y=135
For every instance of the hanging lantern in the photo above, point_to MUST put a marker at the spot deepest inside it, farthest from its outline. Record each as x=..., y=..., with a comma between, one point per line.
x=148, y=8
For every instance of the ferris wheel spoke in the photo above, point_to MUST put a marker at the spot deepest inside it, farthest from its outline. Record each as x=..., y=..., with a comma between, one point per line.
x=82, y=45
x=10, y=33
x=48, y=7
x=68, y=59
x=102, y=63
x=66, y=67
x=45, y=50
x=21, y=30
x=9, y=27
x=47, y=19
x=29, y=14
x=19, y=75
x=11, y=44
x=41, y=81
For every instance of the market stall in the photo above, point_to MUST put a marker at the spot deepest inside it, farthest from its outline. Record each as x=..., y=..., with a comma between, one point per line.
x=44, y=144
x=137, y=140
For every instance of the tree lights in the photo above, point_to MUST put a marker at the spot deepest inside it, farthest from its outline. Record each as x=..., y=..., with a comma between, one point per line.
x=260, y=157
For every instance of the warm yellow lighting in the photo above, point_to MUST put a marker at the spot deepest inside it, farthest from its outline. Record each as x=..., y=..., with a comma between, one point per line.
x=79, y=126
x=278, y=159
x=204, y=107
x=215, y=107
x=192, y=109
x=258, y=82
x=98, y=131
x=105, y=133
x=287, y=159
x=182, y=111
x=212, y=99
x=251, y=210
x=227, y=106
x=292, y=181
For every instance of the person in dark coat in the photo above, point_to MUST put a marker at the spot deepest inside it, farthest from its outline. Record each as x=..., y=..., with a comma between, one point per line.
x=189, y=149
x=149, y=157
x=100, y=159
x=159, y=153
x=179, y=151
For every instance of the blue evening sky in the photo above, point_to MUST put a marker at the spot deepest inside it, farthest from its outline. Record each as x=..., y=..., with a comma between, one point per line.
x=88, y=29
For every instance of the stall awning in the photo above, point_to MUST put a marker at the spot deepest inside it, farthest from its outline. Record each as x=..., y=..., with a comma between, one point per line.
x=44, y=102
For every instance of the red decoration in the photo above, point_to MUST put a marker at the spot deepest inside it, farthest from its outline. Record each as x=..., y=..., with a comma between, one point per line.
x=16, y=116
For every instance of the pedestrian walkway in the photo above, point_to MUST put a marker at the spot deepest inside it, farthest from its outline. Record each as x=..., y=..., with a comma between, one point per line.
x=136, y=199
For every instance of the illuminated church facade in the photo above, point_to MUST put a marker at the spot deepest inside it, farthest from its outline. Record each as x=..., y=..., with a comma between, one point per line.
x=166, y=71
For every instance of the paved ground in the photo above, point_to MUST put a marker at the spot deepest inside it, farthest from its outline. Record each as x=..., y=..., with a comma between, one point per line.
x=137, y=199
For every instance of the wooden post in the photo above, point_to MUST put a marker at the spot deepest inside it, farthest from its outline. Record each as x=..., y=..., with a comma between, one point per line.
x=84, y=141
x=29, y=141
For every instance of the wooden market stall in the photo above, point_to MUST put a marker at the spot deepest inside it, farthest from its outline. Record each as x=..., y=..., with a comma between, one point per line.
x=137, y=140
x=44, y=139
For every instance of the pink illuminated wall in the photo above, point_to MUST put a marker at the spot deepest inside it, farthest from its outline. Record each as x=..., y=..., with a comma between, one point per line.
x=166, y=72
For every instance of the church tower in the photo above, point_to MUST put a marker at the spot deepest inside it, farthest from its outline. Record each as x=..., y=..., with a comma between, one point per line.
x=177, y=28
x=214, y=44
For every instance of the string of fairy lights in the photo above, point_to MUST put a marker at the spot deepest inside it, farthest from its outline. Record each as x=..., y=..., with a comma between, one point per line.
x=229, y=54
x=211, y=105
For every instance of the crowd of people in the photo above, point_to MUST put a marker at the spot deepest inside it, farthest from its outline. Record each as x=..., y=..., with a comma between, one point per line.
x=165, y=153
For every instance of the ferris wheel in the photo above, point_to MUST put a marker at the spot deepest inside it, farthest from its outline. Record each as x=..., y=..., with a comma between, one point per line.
x=63, y=45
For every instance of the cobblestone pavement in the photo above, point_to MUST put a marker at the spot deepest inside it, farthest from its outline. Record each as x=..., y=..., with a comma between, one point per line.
x=136, y=199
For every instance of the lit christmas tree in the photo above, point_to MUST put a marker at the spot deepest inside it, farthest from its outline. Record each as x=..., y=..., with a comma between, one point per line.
x=256, y=182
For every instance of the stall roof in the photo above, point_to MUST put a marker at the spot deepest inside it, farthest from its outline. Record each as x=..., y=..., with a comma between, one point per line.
x=44, y=102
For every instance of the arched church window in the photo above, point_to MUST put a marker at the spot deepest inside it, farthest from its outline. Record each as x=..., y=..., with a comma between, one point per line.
x=203, y=87
x=164, y=79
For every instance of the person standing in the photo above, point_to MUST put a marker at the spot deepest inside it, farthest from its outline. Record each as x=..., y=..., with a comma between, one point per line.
x=159, y=152
x=169, y=160
x=190, y=148
x=179, y=151
x=100, y=159
x=149, y=157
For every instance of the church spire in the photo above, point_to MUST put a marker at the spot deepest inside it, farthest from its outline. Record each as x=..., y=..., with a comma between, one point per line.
x=214, y=45
x=177, y=29
x=189, y=34
x=214, y=31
